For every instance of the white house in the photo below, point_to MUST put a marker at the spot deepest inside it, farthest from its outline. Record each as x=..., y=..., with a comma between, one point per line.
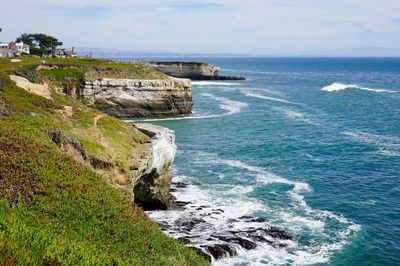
x=16, y=46
x=23, y=48
x=5, y=52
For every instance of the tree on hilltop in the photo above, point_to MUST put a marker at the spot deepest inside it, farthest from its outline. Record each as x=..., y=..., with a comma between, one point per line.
x=40, y=44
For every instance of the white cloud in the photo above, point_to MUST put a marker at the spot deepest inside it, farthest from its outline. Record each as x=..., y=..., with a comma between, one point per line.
x=251, y=26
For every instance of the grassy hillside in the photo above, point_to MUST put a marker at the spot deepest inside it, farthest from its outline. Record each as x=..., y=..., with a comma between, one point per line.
x=55, y=209
x=137, y=71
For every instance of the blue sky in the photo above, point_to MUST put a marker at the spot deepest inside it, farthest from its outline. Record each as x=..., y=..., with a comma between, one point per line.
x=267, y=27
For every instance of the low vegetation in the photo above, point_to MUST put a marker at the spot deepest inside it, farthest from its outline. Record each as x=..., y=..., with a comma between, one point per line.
x=134, y=71
x=56, y=209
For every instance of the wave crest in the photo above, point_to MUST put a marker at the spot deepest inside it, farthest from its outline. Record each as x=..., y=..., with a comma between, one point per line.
x=336, y=86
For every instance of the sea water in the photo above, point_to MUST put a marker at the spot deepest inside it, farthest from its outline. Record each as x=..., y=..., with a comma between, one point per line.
x=310, y=144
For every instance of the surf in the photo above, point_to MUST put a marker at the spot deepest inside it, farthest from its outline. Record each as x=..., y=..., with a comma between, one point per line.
x=221, y=206
x=253, y=94
x=335, y=87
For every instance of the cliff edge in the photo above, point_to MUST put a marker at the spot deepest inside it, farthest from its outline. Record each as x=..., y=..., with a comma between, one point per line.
x=190, y=70
x=129, y=98
x=118, y=89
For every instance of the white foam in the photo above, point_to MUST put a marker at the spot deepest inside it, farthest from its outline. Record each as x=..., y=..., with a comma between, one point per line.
x=260, y=96
x=214, y=83
x=296, y=115
x=266, y=177
x=163, y=145
x=386, y=145
x=335, y=87
x=373, y=138
x=297, y=217
x=233, y=107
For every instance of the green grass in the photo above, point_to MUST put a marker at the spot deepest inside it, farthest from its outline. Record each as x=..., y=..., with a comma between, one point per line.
x=55, y=210
x=135, y=71
x=60, y=74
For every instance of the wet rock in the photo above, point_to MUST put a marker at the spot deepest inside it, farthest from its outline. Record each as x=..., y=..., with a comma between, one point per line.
x=180, y=204
x=253, y=219
x=220, y=251
x=179, y=185
x=278, y=233
x=189, y=224
x=202, y=253
x=246, y=244
x=233, y=239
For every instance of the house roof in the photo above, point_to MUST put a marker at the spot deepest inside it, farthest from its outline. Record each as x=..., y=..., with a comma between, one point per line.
x=69, y=53
x=6, y=50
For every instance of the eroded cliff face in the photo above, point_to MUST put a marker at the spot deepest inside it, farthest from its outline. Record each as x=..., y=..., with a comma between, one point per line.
x=151, y=187
x=190, y=70
x=129, y=98
x=150, y=175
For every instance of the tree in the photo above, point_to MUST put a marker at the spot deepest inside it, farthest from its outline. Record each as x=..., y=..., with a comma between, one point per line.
x=25, y=38
x=40, y=44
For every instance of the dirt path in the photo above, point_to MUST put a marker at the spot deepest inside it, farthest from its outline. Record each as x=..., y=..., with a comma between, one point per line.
x=96, y=120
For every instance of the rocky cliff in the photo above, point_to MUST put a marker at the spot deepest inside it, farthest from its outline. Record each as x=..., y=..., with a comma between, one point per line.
x=153, y=176
x=190, y=70
x=128, y=98
x=138, y=161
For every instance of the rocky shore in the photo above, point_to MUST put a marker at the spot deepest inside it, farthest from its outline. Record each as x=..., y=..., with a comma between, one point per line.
x=190, y=70
x=213, y=231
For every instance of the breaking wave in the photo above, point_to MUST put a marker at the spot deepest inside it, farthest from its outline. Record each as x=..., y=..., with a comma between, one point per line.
x=335, y=87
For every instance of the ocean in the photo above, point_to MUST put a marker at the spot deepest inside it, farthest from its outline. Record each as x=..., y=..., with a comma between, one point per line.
x=310, y=145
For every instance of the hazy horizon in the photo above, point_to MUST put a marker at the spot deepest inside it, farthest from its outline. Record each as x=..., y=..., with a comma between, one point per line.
x=254, y=27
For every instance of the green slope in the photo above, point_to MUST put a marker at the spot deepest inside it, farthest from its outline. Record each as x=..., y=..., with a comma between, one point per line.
x=55, y=209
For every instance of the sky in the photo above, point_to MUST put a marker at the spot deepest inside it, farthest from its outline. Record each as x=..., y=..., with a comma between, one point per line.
x=258, y=27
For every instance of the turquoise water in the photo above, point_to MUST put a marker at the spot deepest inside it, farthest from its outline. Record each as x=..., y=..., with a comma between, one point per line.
x=312, y=145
